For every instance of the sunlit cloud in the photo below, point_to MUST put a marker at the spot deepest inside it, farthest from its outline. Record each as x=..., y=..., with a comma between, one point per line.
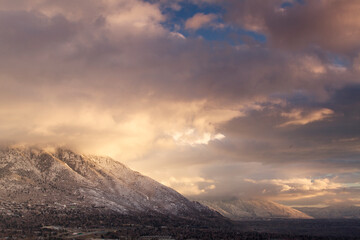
x=191, y=138
x=299, y=117
x=300, y=184
x=191, y=186
x=302, y=191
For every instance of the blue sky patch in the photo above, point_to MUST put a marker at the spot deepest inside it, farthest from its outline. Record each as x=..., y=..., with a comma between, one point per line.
x=229, y=34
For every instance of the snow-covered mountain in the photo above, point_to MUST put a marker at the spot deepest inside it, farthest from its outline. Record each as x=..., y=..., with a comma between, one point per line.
x=336, y=211
x=238, y=209
x=63, y=178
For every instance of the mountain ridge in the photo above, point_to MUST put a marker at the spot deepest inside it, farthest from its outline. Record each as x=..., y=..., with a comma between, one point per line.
x=240, y=209
x=63, y=177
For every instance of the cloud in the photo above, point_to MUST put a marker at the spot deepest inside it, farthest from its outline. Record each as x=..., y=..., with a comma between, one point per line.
x=200, y=20
x=298, y=117
x=190, y=186
x=191, y=138
x=300, y=184
x=329, y=24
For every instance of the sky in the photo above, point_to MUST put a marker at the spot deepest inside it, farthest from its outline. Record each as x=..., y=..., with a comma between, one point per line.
x=214, y=98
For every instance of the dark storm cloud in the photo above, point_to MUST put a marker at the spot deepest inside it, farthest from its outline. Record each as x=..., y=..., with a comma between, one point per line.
x=329, y=24
x=332, y=136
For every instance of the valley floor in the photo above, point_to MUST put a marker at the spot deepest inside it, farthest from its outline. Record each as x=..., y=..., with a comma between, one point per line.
x=99, y=224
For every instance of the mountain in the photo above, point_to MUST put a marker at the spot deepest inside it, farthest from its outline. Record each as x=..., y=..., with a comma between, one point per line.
x=238, y=209
x=36, y=179
x=332, y=212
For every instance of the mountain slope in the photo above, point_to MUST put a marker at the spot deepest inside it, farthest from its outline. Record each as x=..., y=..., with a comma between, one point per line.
x=63, y=178
x=238, y=209
x=337, y=211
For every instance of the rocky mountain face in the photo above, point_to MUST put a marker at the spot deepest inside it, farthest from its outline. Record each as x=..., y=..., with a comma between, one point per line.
x=333, y=212
x=238, y=209
x=64, y=179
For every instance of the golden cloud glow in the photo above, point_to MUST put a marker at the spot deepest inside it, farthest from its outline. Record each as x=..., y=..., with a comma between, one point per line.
x=297, y=189
x=190, y=186
x=299, y=117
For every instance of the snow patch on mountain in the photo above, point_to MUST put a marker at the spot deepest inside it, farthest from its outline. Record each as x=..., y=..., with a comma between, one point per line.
x=238, y=209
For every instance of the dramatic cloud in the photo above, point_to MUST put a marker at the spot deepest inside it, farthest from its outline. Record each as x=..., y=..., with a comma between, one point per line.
x=330, y=24
x=165, y=87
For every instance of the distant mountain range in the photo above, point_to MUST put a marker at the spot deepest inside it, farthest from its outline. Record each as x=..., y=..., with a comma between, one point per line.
x=239, y=209
x=332, y=212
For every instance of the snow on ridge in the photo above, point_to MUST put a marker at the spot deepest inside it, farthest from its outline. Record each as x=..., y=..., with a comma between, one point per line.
x=238, y=209
x=65, y=177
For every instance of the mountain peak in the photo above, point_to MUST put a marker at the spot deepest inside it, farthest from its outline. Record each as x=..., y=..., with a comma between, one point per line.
x=39, y=176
